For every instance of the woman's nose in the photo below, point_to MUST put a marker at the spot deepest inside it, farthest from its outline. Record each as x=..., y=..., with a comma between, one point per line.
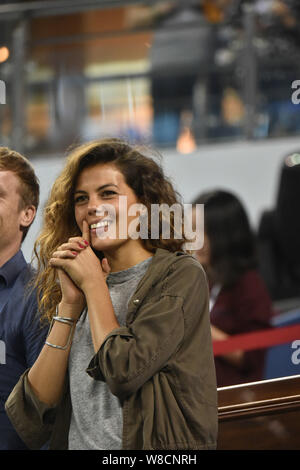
x=92, y=205
x=92, y=210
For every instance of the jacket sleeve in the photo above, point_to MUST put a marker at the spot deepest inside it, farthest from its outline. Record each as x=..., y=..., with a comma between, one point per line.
x=32, y=419
x=129, y=356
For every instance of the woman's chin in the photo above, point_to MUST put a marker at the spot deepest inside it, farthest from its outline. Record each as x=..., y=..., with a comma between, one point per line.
x=104, y=244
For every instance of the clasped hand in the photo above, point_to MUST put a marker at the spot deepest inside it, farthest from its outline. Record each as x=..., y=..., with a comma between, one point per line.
x=77, y=259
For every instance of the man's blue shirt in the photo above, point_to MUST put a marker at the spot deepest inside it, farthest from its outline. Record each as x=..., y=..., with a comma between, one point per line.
x=21, y=337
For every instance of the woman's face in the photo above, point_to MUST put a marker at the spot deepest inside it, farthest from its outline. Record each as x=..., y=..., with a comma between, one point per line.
x=98, y=192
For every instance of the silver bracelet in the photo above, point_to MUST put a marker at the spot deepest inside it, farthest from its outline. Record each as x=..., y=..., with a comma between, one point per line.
x=67, y=321
x=59, y=316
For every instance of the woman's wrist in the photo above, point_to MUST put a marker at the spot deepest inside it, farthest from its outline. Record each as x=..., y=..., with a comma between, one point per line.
x=92, y=283
x=68, y=310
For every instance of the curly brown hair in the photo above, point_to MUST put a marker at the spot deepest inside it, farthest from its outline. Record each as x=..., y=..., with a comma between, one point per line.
x=142, y=174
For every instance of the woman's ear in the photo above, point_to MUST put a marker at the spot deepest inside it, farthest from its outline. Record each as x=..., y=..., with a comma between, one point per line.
x=27, y=216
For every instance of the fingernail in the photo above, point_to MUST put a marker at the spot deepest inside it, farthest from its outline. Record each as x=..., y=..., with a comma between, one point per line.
x=87, y=243
x=74, y=253
x=81, y=246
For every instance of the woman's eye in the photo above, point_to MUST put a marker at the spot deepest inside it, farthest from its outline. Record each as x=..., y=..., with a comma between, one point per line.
x=79, y=199
x=108, y=193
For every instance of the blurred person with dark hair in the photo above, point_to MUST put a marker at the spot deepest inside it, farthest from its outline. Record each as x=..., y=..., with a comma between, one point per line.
x=20, y=335
x=278, y=235
x=239, y=300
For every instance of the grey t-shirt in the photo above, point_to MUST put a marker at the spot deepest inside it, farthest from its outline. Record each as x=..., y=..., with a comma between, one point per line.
x=96, y=420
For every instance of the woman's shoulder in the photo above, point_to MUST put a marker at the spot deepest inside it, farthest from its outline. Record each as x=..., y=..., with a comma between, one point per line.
x=179, y=268
x=178, y=260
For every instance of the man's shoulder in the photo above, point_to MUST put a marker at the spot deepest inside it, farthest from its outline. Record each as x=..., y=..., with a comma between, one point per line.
x=23, y=291
x=27, y=273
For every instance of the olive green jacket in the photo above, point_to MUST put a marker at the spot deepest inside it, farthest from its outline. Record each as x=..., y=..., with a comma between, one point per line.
x=160, y=365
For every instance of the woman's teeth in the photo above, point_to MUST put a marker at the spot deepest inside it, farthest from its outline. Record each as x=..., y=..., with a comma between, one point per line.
x=101, y=224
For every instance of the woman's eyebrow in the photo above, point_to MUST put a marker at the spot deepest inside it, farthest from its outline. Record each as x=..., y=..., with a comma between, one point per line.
x=98, y=189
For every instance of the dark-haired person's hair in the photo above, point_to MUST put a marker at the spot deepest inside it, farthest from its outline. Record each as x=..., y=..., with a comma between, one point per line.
x=232, y=241
x=29, y=190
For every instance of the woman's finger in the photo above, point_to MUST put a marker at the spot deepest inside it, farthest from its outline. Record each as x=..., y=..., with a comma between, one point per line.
x=58, y=263
x=80, y=240
x=77, y=239
x=105, y=266
x=72, y=246
x=85, y=231
x=66, y=254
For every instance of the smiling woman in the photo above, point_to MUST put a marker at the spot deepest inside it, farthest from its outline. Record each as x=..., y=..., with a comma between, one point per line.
x=135, y=310
x=99, y=188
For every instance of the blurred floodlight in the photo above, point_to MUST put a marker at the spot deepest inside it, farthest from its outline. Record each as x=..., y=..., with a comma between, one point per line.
x=4, y=54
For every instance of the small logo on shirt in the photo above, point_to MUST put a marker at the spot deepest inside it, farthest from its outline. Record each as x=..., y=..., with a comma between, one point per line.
x=2, y=352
